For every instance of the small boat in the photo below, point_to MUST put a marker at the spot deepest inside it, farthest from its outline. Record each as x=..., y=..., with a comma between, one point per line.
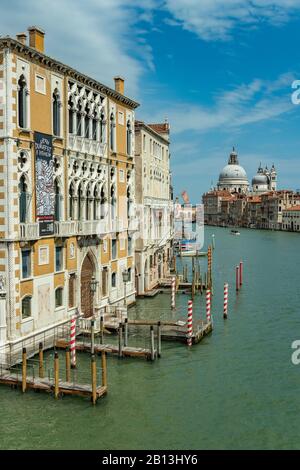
x=193, y=253
x=235, y=232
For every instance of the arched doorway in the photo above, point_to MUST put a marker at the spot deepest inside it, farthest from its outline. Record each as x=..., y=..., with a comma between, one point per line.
x=87, y=272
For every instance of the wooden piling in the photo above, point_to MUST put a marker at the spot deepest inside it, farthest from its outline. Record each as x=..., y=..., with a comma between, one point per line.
x=94, y=379
x=159, y=339
x=104, y=369
x=126, y=332
x=56, y=375
x=237, y=278
x=101, y=329
x=41, y=361
x=68, y=365
x=120, y=340
x=24, y=370
x=92, y=336
x=152, y=343
x=241, y=273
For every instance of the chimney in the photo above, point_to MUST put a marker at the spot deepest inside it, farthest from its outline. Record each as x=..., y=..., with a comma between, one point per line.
x=36, y=38
x=22, y=37
x=119, y=85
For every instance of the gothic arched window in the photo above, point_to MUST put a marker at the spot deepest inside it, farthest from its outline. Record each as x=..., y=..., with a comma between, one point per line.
x=102, y=128
x=71, y=116
x=56, y=113
x=78, y=119
x=23, y=200
x=57, y=201
x=71, y=201
x=129, y=137
x=112, y=132
x=22, y=102
x=87, y=122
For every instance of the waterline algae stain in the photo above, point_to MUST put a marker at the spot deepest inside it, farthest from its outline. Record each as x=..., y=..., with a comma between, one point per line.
x=240, y=382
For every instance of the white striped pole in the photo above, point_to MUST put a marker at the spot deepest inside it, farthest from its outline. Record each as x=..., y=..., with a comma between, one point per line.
x=225, y=300
x=190, y=323
x=73, y=341
x=173, y=287
x=208, y=298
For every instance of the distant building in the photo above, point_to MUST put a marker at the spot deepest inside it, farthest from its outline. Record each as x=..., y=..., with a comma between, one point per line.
x=264, y=180
x=153, y=196
x=291, y=219
x=262, y=206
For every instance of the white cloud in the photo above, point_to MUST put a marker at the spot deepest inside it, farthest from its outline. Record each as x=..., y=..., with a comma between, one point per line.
x=216, y=19
x=97, y=37
x=249, y=103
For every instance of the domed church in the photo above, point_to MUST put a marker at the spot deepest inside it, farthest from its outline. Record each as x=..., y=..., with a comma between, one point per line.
x=264, y=180
x=233, y=177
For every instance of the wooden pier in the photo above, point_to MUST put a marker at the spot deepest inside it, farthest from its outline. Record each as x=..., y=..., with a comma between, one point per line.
x=124, y=351
x=46, y=385
x=179, y=333
x=19, y=378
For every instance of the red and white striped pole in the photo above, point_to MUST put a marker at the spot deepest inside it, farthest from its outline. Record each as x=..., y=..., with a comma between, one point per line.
x=241, y=273
x=190, y=323
x=225, y=300
x=73, y=341
x=173, y=287
x=208, y=299
x=237, y=278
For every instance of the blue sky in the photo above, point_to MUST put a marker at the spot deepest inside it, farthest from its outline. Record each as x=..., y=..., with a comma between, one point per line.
x=219, y=70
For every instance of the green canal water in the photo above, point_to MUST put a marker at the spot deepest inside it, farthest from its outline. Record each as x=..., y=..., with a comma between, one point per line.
x=238, y=389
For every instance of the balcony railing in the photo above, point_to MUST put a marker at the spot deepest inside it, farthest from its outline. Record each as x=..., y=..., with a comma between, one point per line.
x=29, y=231
x=92, y=227
x=81, y=144
x=65, y=228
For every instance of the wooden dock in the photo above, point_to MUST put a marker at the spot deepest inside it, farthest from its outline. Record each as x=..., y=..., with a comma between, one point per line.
x=125, y=351
x=46, y=385
x=179, y=333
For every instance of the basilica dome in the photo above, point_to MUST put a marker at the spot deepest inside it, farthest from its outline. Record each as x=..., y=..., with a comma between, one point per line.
x=233, y=177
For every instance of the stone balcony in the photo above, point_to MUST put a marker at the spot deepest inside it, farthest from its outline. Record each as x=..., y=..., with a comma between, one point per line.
x=133, y=224
x=68, y=228
x=29, y=231
x=81, y=144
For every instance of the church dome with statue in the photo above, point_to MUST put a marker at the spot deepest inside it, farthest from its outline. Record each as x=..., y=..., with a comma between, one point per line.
x=233, y=177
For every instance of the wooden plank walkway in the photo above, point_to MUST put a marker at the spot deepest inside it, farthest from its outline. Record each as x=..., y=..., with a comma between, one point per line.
x=127, y=351
x=36, y=383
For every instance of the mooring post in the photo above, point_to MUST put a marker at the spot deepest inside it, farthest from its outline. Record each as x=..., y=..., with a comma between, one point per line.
x=94, y=379
x=159, y=339
x=24, y=369
x=190, y=323
x=237, y=278
x=208, y=307
x=241, y=273
x=120, y=339
x=41, y=361
x=92, y=336
x=68, y=365
x=56, y=375
x=152, y=343
x=173, y=289
x=225, y=300
x=101, y=329
x=213, y=241
x=104, y=369
x=126, y=332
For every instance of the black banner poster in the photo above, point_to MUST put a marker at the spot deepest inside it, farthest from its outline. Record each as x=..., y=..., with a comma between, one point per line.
x=44, y=183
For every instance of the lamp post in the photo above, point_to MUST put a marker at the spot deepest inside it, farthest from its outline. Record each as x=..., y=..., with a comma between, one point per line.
x=94, y=284
x=125, y=276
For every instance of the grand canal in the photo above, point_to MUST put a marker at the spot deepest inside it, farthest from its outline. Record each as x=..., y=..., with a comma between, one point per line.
x=238, y=389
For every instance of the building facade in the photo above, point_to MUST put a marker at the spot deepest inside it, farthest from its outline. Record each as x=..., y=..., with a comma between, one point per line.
x=153, y=246
x=67, y=203
x=291, y=219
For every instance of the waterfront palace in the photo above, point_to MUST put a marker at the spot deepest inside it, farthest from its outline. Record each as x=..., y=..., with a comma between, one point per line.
x=234, y=203
x=69, y=189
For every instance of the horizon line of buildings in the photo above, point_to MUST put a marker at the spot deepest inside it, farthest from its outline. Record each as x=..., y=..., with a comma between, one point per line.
x=263, y=206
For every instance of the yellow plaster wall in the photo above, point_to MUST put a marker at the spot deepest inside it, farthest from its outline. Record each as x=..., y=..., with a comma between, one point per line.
x=45, y=268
